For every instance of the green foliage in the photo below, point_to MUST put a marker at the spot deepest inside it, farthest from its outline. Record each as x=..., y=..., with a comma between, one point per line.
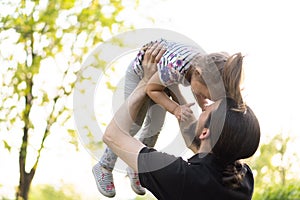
x=146, y=197
x=73, y=140
x=290, y=191
x=6, y=146
x=59, y=32
x=4, y=198
x=110, y=86
x=271, y=165
x=263, y=164
x=48, y=192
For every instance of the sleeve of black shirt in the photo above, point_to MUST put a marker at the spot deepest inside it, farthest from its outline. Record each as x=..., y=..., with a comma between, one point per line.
x=161, y=173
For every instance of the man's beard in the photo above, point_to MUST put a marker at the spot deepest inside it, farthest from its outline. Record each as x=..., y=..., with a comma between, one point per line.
x=193, y=132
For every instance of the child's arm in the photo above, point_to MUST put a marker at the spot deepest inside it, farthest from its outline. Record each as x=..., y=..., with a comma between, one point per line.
x=183, y=109
x=188, y=126
x=155, y=90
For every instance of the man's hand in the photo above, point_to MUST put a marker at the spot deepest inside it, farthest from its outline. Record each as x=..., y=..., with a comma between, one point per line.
x=152, y=56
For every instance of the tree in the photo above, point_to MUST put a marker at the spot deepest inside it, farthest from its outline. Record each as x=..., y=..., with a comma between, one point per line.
x=264, y=163
x=35, y=34
x=271, y=166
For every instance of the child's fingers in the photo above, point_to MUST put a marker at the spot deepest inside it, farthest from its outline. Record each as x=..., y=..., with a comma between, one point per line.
x=190, y=104
x=186, y=116
x=183, y=118
x=186, y=108
x=186, y=113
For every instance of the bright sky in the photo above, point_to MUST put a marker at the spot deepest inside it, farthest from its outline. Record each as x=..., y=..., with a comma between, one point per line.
x=265, y=31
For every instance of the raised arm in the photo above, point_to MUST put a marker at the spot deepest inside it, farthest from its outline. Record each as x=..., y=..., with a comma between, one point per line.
x=178, y=103
x=116, y=135
x=155, y=90
x=180, y=109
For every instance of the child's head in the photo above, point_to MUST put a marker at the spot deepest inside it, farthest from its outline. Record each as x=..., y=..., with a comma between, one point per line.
x=232, y=124
x=217, y=75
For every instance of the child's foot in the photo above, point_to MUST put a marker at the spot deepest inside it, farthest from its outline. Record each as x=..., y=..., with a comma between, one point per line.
x=104, y=180
x=135, y=182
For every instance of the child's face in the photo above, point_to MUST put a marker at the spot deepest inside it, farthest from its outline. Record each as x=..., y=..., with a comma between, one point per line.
x=199, y=89
x=201, y=93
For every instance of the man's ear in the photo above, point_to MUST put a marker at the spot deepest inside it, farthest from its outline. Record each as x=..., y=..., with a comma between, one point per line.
x=205, y=134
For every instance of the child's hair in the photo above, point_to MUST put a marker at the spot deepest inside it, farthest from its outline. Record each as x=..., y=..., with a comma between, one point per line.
x=222, y=75
x=211, y=66
x=235, y=130
x=232, y=75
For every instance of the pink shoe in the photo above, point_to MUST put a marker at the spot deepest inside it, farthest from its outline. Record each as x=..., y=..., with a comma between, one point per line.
x=104, y=180
x=135, y=182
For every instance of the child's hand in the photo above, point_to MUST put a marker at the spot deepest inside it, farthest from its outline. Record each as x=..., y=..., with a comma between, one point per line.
x=183, y=112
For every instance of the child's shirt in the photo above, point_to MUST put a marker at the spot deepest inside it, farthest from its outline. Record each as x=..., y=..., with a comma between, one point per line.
x=173, y=65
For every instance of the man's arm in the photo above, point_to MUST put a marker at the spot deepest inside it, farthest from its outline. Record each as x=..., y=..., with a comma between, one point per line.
x=116, y=135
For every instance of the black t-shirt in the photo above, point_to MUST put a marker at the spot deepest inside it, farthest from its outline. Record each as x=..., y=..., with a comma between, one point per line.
x=170, y=178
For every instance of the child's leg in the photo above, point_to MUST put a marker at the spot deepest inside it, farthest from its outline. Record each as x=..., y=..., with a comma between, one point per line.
x=133, y=176
x=109, y=158
x=131, y=82
x=103, y=169
x=153, y=124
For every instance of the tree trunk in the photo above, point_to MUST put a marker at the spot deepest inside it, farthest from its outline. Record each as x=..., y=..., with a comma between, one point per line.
x=25, y=178
x=24, y=186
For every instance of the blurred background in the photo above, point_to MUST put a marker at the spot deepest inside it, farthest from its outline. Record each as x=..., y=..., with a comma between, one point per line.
x=42, y=46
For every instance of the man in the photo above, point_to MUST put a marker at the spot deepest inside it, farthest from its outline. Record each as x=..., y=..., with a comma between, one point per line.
x=225, y=132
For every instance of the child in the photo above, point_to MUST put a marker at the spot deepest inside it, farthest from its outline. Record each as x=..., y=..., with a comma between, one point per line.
x=174, y=68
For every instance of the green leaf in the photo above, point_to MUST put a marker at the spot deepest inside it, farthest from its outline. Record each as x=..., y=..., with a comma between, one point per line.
x=7, y=146
x=110, y=86
x=72, y=133
x=73, y=139
x=67, y=4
